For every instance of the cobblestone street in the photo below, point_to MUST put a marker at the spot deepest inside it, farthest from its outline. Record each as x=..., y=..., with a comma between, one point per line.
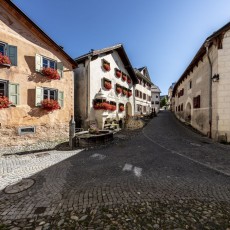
x=164, y=176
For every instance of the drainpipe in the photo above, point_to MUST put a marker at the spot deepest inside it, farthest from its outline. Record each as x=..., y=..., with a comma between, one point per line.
x=210, y=89
x=88, y=89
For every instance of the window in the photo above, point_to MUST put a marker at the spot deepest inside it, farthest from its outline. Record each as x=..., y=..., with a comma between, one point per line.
x=49, y=93
x=10, y=90
x=144, y=109
x=10, y=51
x=152, y=102
x=190, y=84
x=140, y=94
x=144, y=96
x=181, y=107
x=157, y=96
x=157, y=102
x=47, y=63
x=44, y=62
x=196, y=102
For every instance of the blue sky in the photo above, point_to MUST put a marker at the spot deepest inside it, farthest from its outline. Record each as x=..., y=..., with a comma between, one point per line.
x=163, y=35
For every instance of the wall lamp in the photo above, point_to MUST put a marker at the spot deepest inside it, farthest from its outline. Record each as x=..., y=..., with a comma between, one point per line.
x=215, y=78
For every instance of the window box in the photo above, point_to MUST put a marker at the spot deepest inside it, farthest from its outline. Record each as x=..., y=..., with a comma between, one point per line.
x=129, y=93
x=51, y=73
x=121, y=107
x=4, y=60
x=125, y=91
x=50, y=104
x=106, y=65
x=124, y=77
x=129, y=80
x=4, y=102
x=107, y=84
x=113, y=106
x=101, y=106
x=118, y=73
x=118, y=89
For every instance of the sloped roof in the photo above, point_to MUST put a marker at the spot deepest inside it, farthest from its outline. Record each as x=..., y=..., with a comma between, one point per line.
x=146, y=70
x=121, y=51
x=217, y=38
x=28, y=23
x=155, y=89
x=139, y=74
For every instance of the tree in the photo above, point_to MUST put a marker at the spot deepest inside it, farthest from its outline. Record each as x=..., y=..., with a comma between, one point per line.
x=163, y=102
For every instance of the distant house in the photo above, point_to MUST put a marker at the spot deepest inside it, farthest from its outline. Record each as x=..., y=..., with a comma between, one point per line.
x=170, y=98
x=143, y=91
x=155, y=98
x=104, y=83
x=202, y=93
x=36, y=79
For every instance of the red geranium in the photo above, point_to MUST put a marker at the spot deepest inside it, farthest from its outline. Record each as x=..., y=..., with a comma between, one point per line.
x=50, y=104
x=113, y=107
x=129, y=93
x=118, y=89
x=107, y=85
x=121, y=108
x=51, y=73
x=129, y=80
x=106, y=66
x=4, y=102
x=4, y=59
x=124, y=77
x=118, y=73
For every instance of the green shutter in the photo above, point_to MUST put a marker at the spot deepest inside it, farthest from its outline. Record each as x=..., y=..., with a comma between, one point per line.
x=60, y=69
x=6, y=50
x=14, y=95
x=38, y=63
x=61, y=98
x=12, y=53
x=38, y=96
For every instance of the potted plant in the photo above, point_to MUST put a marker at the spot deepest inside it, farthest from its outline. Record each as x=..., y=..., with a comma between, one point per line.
x=106, y=65
x=107, y=85
x=124, y=91
x=129, y=93
x=118, y=73
x=51, y=73
x=124, y=77
x=4, y=102
x=118, y=89
x=50, y=104
x=4, y=60
x=113, y=107
x=121, y=108
x=101, y=106
x=129, y=80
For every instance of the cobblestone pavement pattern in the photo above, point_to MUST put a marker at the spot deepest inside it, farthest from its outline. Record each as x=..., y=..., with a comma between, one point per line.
x=164, y=177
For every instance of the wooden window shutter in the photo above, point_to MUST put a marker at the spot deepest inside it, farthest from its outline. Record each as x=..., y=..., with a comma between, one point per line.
x=61, y=98
x=14, y=95
x=38, y=63
x=13, y=55
x=38, y=96
x=60, y=69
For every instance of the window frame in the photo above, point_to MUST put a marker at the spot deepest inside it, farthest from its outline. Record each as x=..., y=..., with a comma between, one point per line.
x=6, y=87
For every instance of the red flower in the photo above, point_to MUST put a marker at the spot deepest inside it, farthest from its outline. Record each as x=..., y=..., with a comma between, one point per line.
x=129, y=93
x=124, y=77
x=118, y=89
x=50, y=104
x=121, y=108
x=4, y=102
x=51, y=73
x=129, y=80
x=113, y=107
x=107, y=85
x=125, y=92
x=106, y=66
x=118, y=73
x=4, y=59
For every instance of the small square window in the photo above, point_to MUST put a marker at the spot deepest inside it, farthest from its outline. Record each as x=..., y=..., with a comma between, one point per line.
x=47, y=63
x=50, y=94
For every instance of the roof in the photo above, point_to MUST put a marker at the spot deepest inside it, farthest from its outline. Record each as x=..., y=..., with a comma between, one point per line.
x=216, y=38
x=27, y=22
x=121, y=51
x=141, y=75
x=155, y=89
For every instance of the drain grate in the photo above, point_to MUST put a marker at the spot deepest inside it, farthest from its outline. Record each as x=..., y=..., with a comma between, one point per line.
x=22, y=185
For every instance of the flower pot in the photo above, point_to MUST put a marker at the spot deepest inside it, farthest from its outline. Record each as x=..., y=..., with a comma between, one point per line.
x=106, y=66
x=118, y=73
x=51, y=73
x=107, y=85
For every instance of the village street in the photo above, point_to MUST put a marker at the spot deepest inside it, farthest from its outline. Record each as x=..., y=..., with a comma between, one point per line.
x=164, y=176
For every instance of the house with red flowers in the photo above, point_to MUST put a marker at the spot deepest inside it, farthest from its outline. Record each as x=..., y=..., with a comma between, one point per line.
x=36, y=84
x=104, y=86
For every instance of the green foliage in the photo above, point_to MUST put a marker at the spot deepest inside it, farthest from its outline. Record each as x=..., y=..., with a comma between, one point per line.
x=163, y=102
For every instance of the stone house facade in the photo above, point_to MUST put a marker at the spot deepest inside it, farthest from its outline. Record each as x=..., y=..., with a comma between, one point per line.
x=143, y=91
x=34, y=70
x=104, y=86
x=155, y=98
x=202, y=94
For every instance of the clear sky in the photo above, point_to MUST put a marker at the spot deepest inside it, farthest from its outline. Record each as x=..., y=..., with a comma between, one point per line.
x=163, y=35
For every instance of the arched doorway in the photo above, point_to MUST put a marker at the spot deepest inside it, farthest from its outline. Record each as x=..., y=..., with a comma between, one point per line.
x=188, y=112
x=128, y=109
